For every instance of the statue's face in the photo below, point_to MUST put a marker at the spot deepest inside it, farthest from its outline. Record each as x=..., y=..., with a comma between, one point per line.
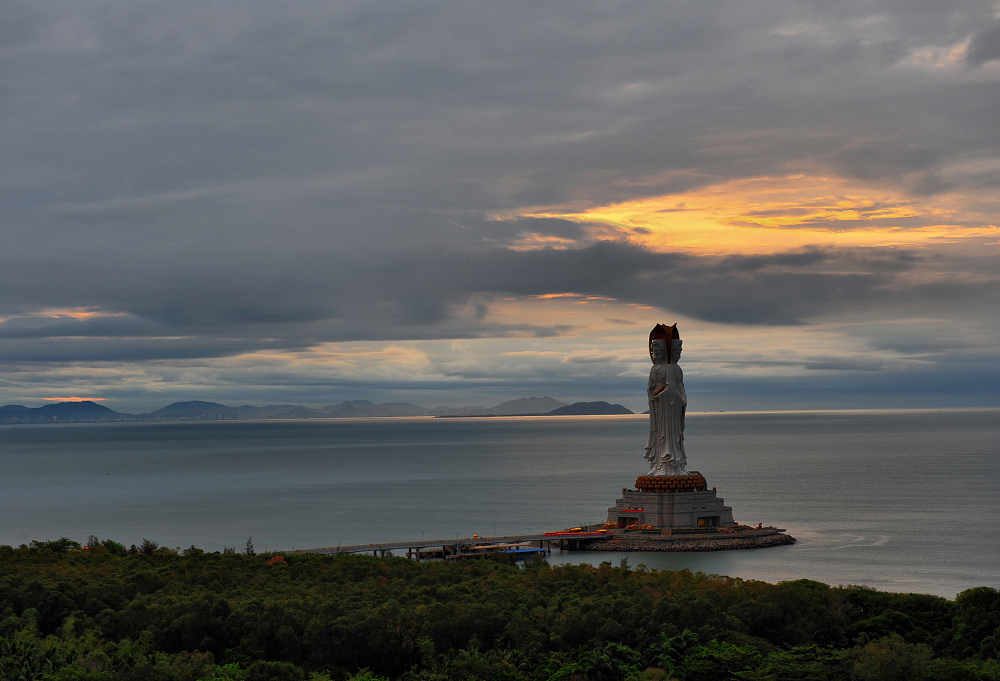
x=659, y=351
x=676, y=351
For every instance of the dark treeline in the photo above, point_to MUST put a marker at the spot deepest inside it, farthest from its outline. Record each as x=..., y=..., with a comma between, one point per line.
x=101, y=613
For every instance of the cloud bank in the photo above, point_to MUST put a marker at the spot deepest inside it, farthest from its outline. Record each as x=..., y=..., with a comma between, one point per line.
x=445, y=202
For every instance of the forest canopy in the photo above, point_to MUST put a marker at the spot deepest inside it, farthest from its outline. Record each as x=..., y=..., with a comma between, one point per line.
x=101, y=613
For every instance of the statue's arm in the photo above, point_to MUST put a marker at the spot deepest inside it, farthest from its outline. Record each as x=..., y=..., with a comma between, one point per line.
x=680, y=385
x=651, y=386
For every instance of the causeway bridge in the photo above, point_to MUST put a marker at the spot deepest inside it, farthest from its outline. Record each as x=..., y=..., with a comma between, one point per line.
x=457, y=546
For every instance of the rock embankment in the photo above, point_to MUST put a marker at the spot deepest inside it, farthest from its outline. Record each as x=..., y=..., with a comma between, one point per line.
x=715, y=543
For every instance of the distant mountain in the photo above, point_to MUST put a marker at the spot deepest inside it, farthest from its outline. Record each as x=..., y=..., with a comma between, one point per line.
x=61, y=412
x=81, y=410
x=8, y=415
x=401, y=409
x=590, y=409
x=535, y=406
x=526, y=405
x=195, y=410
x=198, y=410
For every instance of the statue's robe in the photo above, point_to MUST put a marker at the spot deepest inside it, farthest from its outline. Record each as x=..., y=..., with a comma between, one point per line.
x=667, y=406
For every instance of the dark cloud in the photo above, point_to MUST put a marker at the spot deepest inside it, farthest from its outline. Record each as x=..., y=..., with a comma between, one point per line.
x=984, y=47
x=882, y=159
x=231, y=179
x=728, y=290
x=440, y=106
x=809, y=257
x=420, y=294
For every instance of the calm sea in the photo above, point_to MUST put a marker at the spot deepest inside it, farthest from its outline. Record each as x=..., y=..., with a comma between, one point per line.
x=900, y=501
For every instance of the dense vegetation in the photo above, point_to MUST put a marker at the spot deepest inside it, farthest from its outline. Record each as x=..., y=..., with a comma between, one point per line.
x=101, y=614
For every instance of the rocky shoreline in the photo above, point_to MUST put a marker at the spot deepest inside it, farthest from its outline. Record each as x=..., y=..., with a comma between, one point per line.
x=714, y=543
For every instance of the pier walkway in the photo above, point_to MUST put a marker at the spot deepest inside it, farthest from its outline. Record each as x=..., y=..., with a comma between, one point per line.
x=453, y=546
x=524, y=545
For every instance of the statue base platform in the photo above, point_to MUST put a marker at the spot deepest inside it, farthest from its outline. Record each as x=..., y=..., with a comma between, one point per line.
x=692, y=482
x=671, y=502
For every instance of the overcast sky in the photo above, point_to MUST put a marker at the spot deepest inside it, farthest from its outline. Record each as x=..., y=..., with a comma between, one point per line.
x=456, y=203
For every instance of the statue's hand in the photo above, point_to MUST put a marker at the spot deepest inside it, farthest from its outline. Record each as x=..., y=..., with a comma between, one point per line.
x=659, y=390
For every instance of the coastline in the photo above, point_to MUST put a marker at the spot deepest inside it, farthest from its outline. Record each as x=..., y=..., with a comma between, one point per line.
x=719, y=542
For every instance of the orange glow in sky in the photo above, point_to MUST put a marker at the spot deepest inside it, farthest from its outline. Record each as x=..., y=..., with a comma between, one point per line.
x=766, y=215
x=581, y=297
x=77, y=313
x=74, y=399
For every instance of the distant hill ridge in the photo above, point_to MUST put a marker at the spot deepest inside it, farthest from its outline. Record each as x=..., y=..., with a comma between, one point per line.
x=61, y=412
x=87, y=411
x=590, y=409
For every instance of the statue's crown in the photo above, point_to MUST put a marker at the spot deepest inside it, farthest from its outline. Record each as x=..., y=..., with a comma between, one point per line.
x=665, y=333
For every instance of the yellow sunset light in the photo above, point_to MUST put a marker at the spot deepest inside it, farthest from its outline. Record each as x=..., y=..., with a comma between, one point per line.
x=765, y=215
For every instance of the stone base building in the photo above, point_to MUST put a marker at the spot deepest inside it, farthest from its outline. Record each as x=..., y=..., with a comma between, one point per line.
x=671, y=502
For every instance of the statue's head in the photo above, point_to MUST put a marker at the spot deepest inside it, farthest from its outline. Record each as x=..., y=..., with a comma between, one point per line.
x=658, y=351
x=675, y=350
x=668, y=336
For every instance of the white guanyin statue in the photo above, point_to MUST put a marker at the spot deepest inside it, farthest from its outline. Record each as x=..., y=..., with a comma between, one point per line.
x=667, y=404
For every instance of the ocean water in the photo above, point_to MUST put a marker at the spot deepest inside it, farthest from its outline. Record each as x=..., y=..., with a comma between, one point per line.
x=897, y=500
